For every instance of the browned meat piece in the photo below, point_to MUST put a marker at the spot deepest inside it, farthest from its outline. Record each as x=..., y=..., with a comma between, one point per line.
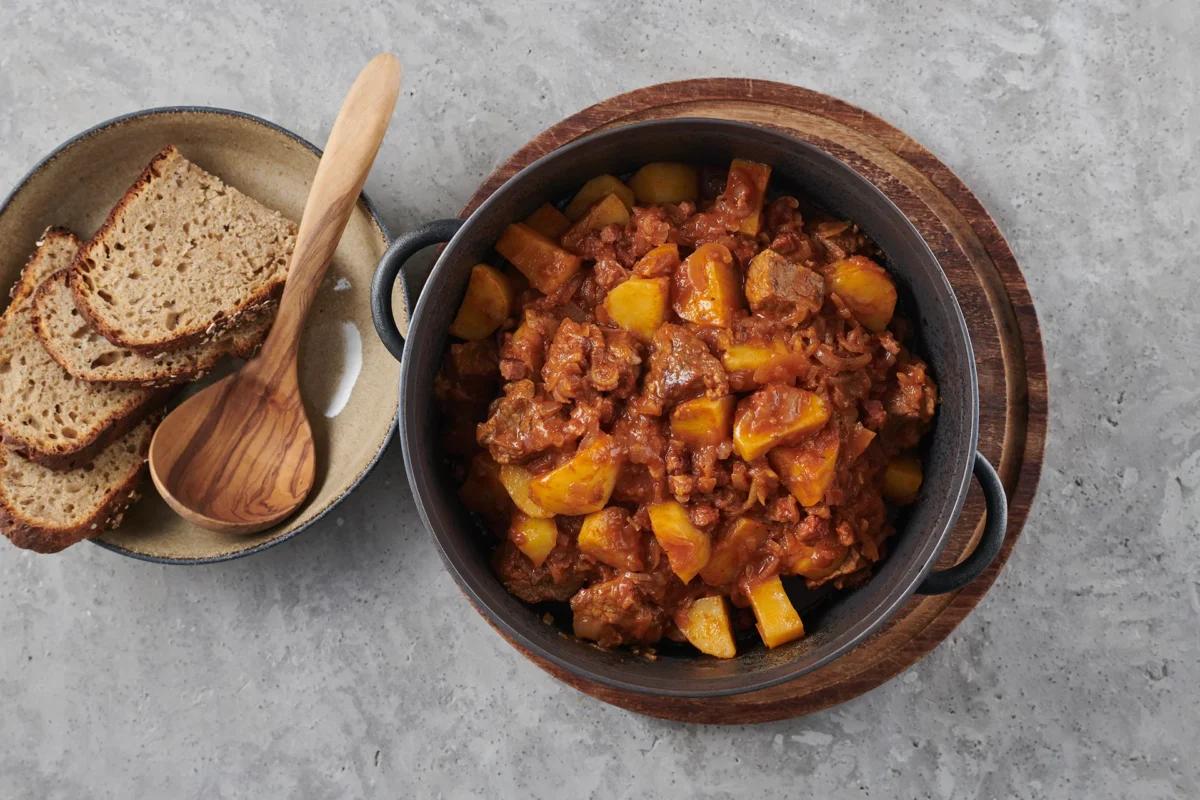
x=524, y=350
x=681, y=367
x=839, y=239
x=619, y=611
x=776, y=287
x=557, y=579
x=522, y=424
x=584, y=359
x=910, y=404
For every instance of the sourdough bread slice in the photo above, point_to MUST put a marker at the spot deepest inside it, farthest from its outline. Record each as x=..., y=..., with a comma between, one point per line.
x=47, y=511
x=54, y=249
x=45, y=414
x=181, y=258
x=88, y=356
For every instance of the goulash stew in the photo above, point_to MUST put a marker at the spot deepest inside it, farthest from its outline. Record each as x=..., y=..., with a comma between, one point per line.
x=674, y=394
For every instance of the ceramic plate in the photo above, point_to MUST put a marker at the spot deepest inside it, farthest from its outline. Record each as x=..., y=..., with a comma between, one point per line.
x=349, y=378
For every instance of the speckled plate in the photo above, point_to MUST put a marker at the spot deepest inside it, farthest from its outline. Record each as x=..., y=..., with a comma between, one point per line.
x=349, y=378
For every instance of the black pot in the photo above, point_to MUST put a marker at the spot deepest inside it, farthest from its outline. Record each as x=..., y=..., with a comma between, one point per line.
x=843, y=619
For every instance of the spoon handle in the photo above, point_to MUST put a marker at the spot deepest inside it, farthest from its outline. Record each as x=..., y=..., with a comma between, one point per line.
x=353, y=143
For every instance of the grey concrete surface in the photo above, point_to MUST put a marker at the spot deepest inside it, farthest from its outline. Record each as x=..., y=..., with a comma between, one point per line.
x=345, y=663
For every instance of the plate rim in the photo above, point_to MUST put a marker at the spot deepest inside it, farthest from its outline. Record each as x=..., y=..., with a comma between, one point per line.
x=372, y=212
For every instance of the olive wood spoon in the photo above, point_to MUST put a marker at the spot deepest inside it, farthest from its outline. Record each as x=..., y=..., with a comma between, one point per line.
x=238, y=456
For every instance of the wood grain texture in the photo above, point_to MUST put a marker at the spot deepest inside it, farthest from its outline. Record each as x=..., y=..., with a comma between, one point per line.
x=1004, y=332
x=239, y=456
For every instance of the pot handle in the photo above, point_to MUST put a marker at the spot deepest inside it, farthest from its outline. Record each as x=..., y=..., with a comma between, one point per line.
x=958, y=576
x=405, y=247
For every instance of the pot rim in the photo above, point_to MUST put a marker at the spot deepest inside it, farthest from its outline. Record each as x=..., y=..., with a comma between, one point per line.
x=421, y=475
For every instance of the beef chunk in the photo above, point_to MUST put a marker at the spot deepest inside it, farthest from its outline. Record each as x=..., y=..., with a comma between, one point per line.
x=776, y=287
x=681, y=367
x=619, y=611
x=522, y=424
x=584, y=359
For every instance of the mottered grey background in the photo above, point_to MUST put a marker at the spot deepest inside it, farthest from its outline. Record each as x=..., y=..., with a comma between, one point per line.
x=345, y=663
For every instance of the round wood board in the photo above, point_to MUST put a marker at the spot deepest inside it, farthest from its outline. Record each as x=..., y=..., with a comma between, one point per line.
x=1004, y=333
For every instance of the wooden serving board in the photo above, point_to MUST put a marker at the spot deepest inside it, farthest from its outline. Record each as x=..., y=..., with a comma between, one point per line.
x=999, y=313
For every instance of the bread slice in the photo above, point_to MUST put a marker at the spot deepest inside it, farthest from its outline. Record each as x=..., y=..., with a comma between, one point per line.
x=47, y=511
x=46, y=415
x=88, y=356
x=181, y=258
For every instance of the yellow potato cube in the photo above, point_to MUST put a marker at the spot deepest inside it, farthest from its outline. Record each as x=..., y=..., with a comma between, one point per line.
x=548, y=221
x=866, y=289
x=488, y=302
x=665, y=182
x=541, y=260
x=756, y=176
x=733, y=550
x=660, y=261
x=583, y=484
x=687, y=547
x=533, y=537
x=595, y=189
x=610, y=538
x=902, y=480
x=610, y=210
x=753, y=357
x=776, y=415
x=818, y=561
x=778, y=622
x=704, y=420
x=516, y=481
x=808, y=471
x=639, y=305
x=705, y=623
x=707, y=289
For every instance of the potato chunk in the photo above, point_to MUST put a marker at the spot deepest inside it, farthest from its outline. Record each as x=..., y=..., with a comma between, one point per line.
x=776, y=415
x=687, y=547
x=595, y=189
x=749, y=177
x=866, y=289
x=660, y=261
x=533, y=537
x=902, y=480
x=548, y=221
x=704, y=420
x=819, y=561
x=583, y=484
x=807, y=471
x=516, y=481
x=705, y=623
x=665, y=182
x=732, y=550
x=488, y=302
x=639, y=305
x=610, y=210
x=778, y=622
x=707, y=289
x=544, y=263
x=609, y=537
x=753, y=357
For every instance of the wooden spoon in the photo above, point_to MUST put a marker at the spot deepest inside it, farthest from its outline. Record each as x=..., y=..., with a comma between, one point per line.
x=238, y=456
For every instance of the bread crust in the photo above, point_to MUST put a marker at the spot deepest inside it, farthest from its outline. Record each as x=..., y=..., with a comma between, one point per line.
x=242, y=346
x=64, y=457
x=30, y=535
x=259, y=300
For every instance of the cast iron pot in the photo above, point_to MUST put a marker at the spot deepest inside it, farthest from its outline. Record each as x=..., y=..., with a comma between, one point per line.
x=840, y=620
